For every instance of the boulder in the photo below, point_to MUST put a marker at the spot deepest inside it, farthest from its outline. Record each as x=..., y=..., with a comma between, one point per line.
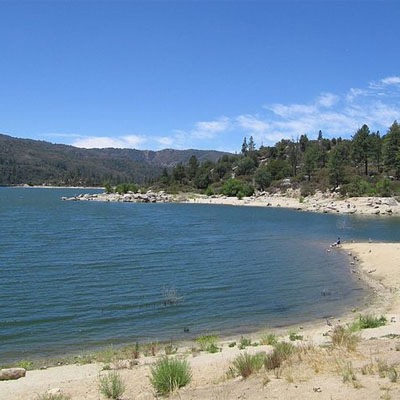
x=12, y=373
x=54, y=391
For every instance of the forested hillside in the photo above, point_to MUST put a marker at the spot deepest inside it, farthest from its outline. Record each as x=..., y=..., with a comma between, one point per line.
x=38, y=162
x=366, y=164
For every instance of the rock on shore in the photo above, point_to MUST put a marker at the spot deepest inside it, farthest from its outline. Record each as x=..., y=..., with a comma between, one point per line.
x=130, y=197
x=9, y=374
x=327, y=203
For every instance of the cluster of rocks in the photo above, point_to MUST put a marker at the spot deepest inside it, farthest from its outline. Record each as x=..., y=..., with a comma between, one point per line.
x=130, y=197
x=330, y=202
x=355, y=205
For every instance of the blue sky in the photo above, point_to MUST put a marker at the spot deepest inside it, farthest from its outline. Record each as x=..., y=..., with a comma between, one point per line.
x=196, y=74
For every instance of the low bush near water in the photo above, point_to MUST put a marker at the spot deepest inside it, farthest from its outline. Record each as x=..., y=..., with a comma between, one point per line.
x=168, y=375
x=367, y=321
x=246, y=364
x=244, y=342
x=293, y=336
x=343, y=337
x=112, y=385
x=269, y=339
x=207, y=342
x=282, y=351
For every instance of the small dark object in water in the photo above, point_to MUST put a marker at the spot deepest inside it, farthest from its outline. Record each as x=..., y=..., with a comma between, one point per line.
x=185, y=329
x=325, y=292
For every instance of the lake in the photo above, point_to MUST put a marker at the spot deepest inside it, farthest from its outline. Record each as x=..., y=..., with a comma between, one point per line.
x=83, y=275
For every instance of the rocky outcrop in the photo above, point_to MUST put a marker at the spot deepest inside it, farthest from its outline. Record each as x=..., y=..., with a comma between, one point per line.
x=130, y=197
x=9, y=374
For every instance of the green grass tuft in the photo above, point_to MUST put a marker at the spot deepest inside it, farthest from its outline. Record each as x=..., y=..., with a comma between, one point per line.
x=367, y=321
x=293, y=336
x=168, y=375
x=112, y=385
x=282, y=351
x=342, y=337
x=207, y=343
x=246, y=364
x=269, y=339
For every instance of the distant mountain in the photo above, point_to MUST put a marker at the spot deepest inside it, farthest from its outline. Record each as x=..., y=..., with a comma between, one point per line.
x=37, y=162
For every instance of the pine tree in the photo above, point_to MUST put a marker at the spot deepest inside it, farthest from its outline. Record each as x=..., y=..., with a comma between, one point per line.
x=252, y=146
x=391, y=148
x=362, y=147
x=245, y=147
x=337, y=162
x=193, y=167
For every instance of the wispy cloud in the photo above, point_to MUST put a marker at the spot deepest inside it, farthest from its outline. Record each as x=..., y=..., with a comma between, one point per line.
x=128, y=141
x=336, y=114
x=208, y=129
x=391, y=80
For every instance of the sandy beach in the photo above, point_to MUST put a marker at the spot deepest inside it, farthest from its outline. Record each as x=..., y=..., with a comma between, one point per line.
x=320, y=202
x=317, y=374
x=327, y=203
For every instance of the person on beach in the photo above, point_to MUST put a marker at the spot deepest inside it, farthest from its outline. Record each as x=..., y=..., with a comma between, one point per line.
x=337, y=243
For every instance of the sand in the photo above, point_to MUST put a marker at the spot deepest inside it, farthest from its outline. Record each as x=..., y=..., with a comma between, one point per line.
x=326, y=203
x=317, y=375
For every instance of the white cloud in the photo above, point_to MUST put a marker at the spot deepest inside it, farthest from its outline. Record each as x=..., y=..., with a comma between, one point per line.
x=377, y=105
x=208, y=129
x=252, y=123
x=391, y=80
x=91, y=142
x=290, y=110
x=327, y=99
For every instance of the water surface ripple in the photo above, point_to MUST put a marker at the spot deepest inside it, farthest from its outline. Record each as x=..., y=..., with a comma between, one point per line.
x=79, y=275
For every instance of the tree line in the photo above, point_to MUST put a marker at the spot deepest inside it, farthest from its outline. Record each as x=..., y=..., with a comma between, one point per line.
x=366, y=164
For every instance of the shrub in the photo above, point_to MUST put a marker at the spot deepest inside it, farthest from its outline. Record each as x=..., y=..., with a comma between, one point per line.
x=246, y=364
x=367, y=321
x=28, y=365
x=269, y=339
x=233, y=187
x=383, y=188
x=343, y=337
x=293, y=336
x=108, y=188
x=168, y=375
x=282, y=351
x=244, y=342
x=263, y=178
x=392, y=374
x=112, y=385
x=126, y=187
x=206, y=342
x=348, y=373
x=232, y=344
x=170, y=349
x=209, y=191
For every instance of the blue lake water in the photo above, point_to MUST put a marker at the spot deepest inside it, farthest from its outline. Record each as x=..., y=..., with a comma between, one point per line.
x=82, y=275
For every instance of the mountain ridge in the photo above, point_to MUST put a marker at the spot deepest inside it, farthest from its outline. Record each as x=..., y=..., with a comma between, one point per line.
x=37, y=161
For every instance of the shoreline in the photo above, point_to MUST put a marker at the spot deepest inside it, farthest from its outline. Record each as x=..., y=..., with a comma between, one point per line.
x=374, y=291
x=319, y=203
x=24, y=186
x=373, y=262
x=326, y=203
